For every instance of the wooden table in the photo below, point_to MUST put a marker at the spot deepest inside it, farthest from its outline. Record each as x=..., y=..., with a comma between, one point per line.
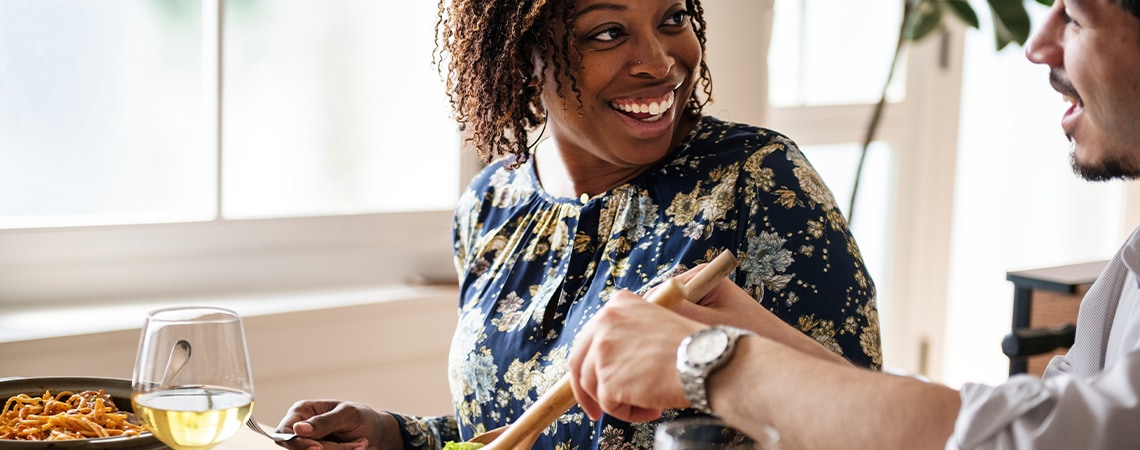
x=1048, y=297
x=247, y=439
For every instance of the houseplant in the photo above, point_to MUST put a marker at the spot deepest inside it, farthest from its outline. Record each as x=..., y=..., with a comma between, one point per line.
x=920, y=19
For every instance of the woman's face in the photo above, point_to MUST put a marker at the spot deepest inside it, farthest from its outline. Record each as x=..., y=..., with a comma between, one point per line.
x=640, y=60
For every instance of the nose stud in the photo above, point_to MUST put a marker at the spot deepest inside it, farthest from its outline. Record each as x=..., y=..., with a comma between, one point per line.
x=639, y=62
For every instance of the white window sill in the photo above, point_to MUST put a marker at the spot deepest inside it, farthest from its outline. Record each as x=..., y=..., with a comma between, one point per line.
x=25, y=324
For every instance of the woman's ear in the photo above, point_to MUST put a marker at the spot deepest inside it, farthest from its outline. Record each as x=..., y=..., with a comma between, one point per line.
x=538, y=63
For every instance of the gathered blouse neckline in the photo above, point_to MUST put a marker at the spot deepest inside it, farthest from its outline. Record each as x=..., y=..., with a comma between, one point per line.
x=542, y=193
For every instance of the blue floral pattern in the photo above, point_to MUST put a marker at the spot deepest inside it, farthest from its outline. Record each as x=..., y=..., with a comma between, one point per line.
x=534, y=268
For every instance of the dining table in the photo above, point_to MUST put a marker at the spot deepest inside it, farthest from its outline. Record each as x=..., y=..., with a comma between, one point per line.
x=247, y=439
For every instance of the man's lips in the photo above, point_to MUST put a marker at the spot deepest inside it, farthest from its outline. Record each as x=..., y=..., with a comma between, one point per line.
x=1069, y=93
x=1075, y=102
x=1069, y=119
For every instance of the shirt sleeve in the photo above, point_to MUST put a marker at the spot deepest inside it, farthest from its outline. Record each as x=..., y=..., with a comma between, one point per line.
x=1060, y=412
x=427, y=433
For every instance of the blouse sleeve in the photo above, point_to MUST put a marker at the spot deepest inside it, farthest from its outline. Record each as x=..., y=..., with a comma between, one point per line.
x=800, y=258
x=427, y=433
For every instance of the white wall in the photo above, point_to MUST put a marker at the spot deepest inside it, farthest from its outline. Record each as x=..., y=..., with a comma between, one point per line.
x=739, y=33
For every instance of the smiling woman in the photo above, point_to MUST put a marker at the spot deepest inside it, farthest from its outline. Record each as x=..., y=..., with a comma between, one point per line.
x=640, y=56
x=627, y=184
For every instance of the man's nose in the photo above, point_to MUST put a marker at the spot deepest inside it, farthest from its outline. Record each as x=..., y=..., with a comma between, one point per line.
x=1044, y=47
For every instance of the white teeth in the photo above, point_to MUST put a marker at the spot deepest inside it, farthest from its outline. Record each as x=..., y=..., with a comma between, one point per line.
x=1070, y=99
x=653, y=108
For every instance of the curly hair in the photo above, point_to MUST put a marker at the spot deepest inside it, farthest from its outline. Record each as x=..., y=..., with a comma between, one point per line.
x=487, y=52
x=1132, y=6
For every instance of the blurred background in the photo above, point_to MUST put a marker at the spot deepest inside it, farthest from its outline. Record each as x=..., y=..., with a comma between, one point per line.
x=296, y=161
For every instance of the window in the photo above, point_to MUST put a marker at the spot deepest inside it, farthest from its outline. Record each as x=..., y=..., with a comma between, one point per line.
x=967, y=179
x=153, y=147
x=334, y=107
x=115, y=126
x=1017, y=203
x=827, y=72
x=816, y=59
x=102, y=112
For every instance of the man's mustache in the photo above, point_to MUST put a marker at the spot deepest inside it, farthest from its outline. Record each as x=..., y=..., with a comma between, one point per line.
x=1061, y=83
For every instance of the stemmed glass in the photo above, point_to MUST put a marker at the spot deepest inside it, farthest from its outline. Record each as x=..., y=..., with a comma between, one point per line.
x=192, y=385
x=710, y=433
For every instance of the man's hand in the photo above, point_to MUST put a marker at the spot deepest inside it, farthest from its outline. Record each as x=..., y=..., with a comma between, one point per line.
x=624, y=360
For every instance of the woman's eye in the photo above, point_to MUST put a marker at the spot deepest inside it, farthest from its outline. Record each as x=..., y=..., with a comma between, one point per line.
x=677, y=18
x=607, y=35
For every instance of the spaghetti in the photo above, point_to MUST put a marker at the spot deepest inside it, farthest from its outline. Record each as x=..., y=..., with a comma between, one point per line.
x=65, y=416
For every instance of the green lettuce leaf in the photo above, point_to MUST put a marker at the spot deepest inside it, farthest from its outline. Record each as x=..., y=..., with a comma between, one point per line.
x=451, y=445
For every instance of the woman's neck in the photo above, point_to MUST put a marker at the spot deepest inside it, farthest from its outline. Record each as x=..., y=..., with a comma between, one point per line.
x=563, y=173
x=567, y=178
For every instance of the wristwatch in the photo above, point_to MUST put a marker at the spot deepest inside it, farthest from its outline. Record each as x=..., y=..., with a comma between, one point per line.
x=701, y=354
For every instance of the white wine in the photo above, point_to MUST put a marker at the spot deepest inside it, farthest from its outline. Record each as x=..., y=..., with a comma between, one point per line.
x=192, y=417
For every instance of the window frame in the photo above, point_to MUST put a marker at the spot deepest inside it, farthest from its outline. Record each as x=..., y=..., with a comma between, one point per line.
x=76, y=265
x=142, y=262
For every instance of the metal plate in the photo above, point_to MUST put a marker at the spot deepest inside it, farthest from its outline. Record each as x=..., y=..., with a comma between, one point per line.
x=118, y=388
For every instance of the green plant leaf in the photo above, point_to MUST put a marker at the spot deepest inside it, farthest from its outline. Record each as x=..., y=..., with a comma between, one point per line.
x=924, y=18
x=1011, y=22
x=964, y=11
x=1045, y=2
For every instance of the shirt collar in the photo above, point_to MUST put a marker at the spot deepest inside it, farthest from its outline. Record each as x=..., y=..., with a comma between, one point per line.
x=1130, y=255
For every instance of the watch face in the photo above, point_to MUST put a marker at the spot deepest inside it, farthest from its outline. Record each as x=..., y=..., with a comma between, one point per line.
x=706, y=347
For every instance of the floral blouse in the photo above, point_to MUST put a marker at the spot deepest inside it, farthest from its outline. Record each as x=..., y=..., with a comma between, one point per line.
x=534, y=268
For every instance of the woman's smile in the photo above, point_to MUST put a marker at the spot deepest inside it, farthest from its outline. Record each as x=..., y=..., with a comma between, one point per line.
x=645, y=109
x=648, y=117
x=621, y=106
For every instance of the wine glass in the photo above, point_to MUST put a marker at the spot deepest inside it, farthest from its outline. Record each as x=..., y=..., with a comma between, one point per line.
x=192, y=385
x=710, y=433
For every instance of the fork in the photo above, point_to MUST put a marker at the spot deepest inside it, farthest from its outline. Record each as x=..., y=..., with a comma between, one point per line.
x=277, y=437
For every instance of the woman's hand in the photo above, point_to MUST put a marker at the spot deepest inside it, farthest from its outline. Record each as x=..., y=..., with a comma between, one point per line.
x=339, y=425
x=725, y=304
x=625, y=360
x=728, y=304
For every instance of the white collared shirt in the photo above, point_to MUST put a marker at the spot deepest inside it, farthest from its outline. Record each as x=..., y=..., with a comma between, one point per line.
x=1088, y=398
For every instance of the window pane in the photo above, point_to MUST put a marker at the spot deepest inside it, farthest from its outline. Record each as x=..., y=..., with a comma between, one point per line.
x=101, y=113
x=334, y=107
x=827, y=52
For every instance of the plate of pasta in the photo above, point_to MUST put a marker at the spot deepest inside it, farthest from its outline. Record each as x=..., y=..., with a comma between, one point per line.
x=70, y=413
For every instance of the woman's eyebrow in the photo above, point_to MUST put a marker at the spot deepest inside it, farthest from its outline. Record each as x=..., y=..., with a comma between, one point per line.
x=600, y=7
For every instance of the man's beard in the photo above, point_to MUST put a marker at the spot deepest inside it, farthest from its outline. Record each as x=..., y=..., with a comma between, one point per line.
x=1104, y=170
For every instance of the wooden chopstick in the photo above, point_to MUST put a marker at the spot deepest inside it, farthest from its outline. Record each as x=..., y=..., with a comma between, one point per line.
x=560, y=397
